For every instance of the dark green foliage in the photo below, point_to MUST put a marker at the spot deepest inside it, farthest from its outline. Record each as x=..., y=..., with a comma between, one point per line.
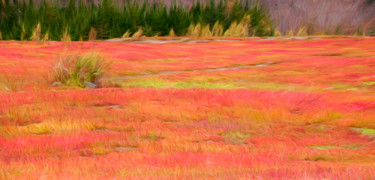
x=18, y=19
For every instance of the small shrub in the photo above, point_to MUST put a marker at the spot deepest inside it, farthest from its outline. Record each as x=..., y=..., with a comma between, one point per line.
x=76, y=70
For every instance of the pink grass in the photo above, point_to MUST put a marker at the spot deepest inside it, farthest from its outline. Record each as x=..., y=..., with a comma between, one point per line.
x=302, y=117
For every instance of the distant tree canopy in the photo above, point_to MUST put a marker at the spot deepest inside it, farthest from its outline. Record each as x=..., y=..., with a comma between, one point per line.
x=20, y=20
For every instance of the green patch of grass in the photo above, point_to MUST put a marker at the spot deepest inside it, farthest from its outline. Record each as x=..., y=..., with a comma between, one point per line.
x=203, y=84
x=153, y=136
x=343, y=86
x=366, y=131
x=238, y=134
x=151, y=82
x=159, y=83
x=235, y=137
x=369, y=83
x=330, y=147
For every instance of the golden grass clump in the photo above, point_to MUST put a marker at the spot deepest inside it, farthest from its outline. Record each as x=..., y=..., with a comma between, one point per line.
x=240, y=29
x=277, y=33
x=302, y=31
x=194, y=30
x=77, y=70
x=290, y=33
x=37, y=33
x=205, y=31
x=126, y=34
x=217, y=29
x=138, y=34
x=199, y=31
x=171, y=33
x=39, y=128
x=45, y=37
x=92, y=34
x=66, y=37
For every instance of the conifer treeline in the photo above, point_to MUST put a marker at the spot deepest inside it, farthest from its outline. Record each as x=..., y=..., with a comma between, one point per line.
x=28, y=20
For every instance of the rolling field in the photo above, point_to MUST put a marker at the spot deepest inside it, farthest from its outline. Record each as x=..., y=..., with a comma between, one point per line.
x=192, y=109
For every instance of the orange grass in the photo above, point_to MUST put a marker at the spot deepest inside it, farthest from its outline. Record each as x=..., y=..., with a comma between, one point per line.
x=307, y=111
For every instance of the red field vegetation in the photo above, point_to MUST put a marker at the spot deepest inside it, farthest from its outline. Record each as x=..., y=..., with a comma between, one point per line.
x=246, y=109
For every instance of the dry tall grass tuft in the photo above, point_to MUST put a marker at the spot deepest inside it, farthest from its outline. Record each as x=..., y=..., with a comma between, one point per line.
x=65, y=37
x=171, y=33
x=138, y=34
x=199, y=31
x=37, y=33
x=302, y=31
x=217, y=29
x=277, y=33
x=76, y=70
x=290, y=33
x=45, y=37
x=240, y=29
x=92, y=34
x=126, y=34
x=205, y=31
x=194, y=30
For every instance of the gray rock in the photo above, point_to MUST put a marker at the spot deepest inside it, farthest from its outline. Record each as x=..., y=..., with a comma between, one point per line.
x=90, y=85
x=56, y=84
x=6, y=88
